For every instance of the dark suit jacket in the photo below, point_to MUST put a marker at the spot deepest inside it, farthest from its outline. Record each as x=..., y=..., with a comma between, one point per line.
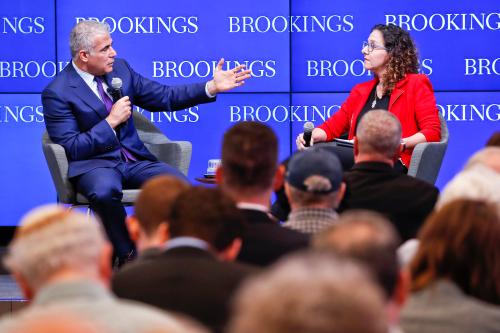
x=74, y=115
x=405, y=200
x=265, y=241
x=186, y=280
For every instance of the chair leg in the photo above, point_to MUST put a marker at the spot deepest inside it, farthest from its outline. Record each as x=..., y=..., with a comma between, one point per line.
x=88, y=213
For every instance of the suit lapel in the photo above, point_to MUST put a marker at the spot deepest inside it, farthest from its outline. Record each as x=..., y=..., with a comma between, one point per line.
x=399, y=90
x=86, y=94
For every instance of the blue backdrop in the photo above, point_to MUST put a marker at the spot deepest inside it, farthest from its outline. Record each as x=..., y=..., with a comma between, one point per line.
x=305, y=57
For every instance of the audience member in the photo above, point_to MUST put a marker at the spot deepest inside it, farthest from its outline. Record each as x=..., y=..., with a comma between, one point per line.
x=480, y=179
x=247, y=173
x=314, y=189
x=494, y=140
x=488, y=156
x=281, y=207
x=310, y=293
x=370, y=238
x=62, y=262
x=190, y=275
x=455, y=274
x=373, y=184
x=148, y=226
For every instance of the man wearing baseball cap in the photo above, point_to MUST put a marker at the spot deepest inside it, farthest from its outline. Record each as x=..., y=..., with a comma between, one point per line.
x=314, y=189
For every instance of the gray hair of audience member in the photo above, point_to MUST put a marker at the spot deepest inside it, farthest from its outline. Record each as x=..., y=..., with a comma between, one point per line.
x=310, y=293
x=379, y=132
x=476, y=182
x=305, y=199
x=368, y=237
x=83, y=34
x=488, y=156
x=50, y=238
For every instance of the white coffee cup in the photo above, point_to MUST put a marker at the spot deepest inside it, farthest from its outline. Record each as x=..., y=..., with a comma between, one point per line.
x=213, y=164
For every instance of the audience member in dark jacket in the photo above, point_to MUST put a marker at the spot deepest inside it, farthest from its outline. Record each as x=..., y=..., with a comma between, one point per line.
x=192, y=274
x=373, y=184
x=248, y=171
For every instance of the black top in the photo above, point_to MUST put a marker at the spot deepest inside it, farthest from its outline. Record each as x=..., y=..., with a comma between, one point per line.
x=405, y=200
x=380, y=104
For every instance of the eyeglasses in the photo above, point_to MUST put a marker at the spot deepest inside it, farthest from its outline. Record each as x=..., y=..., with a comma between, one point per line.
x=372, y=46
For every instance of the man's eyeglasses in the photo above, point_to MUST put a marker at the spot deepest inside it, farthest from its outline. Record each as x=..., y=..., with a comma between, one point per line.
x=372, y=46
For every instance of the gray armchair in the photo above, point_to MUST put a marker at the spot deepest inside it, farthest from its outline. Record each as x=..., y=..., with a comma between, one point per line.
x=174, y=153
x=427, y=157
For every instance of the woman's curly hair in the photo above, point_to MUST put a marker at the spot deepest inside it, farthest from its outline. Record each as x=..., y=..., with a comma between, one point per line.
x=402, y=55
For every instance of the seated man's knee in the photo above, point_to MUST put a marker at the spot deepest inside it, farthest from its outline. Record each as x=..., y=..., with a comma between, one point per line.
x=105, y=194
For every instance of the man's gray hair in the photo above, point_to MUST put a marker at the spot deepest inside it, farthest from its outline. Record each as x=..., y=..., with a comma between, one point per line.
x=310, y=293
x=488, y=156
x=379, y=132
x=83, y=34
x=50, y=238
x=304, y=199
x=476, y=182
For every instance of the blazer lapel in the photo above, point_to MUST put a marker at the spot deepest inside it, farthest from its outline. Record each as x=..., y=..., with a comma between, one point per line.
x=85, y=93
x=399, y=90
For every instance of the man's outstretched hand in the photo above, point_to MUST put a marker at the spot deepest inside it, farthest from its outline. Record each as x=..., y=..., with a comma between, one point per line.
x=227, y=80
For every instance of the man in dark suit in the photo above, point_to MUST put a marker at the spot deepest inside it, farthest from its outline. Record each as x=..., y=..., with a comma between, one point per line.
x=373, y=184
x=101, y=142
x=247, y=174
x=191, y=275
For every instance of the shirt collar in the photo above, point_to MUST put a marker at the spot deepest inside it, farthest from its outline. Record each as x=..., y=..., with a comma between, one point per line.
x=87, y=77
x=252, y=206
x=186, y=241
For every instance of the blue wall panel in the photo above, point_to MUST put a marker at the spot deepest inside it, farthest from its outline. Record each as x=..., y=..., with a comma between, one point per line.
x=305, y=57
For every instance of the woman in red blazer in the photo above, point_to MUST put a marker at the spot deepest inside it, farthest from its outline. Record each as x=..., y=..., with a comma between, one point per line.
x=391, y=56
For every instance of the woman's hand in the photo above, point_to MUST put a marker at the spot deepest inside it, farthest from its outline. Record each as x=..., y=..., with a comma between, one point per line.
x=301, y=142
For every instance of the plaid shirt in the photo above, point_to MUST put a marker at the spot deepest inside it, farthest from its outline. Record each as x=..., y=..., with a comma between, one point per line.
x=311, y=220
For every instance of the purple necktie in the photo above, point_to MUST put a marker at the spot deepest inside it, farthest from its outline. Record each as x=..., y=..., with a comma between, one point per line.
x=108, y=103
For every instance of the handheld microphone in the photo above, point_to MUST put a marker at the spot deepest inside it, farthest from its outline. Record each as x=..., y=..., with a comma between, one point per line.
x=116, y=93
x=116, y=89
x=308, y=128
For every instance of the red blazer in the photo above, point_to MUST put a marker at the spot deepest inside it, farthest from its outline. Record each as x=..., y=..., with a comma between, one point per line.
x=412, y=101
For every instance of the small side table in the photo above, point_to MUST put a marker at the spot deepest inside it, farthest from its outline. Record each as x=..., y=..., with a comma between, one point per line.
x=206, y=180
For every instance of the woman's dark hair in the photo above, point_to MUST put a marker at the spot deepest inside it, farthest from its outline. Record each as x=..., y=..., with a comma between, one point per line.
x=403, y=57
x=461, y=242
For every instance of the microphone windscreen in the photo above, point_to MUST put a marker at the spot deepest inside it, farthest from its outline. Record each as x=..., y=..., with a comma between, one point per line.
x=116, y=83
x=308, y=127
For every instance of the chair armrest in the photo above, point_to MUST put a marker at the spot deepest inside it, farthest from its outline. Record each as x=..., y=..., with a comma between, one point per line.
x=175, y=153
x=430, y=152
x=58, y=166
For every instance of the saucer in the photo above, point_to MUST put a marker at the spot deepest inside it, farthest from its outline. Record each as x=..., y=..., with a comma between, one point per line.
x=209, y=175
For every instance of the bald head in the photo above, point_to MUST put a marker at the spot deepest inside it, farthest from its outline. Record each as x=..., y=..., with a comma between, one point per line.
x=379, y=133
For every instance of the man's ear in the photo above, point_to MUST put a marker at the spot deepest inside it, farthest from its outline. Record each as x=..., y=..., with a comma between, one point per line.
x=231, y=251
x=356, y=146
x=134, y=229
x=105, y=268
x=83, y=55
x=402, y=287
x=23, y=284
x=279, y=178
x=219, y=175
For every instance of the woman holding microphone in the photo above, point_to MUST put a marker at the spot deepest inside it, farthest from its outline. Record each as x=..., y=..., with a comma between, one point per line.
x=390, y=54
